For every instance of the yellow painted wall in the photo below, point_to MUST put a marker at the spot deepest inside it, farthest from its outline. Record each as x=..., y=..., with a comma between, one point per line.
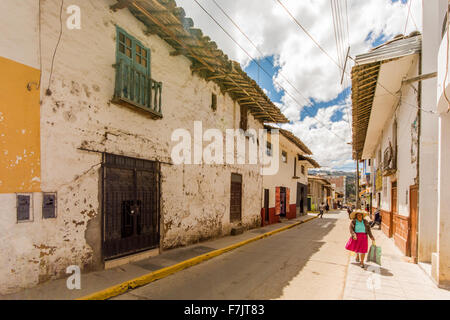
x=20, y=167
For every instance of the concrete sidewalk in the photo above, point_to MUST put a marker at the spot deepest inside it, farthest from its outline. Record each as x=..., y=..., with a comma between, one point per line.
x=396, y=279
x=97, y=281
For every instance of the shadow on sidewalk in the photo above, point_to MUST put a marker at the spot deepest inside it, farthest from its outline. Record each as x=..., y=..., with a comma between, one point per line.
x=369, y=267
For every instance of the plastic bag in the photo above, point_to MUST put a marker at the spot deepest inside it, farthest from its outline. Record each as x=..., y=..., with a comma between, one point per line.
x=374, y=254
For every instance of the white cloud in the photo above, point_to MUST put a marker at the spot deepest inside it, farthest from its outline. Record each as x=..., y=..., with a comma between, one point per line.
x=305, y=65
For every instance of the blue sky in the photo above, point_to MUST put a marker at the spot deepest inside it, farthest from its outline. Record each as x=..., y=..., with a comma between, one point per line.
x=255, y=70
x=369, y=22
x=265, y=80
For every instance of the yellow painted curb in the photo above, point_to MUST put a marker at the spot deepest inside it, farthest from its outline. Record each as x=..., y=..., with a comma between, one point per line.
x=162, y=273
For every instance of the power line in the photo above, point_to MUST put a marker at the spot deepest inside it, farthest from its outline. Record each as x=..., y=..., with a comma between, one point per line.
x=308, y=34
x=56, y=48
x=407, y=16
x=334, y=61
x=413, y=20
x=264, y=70
x=340, y=44
x=256, y=47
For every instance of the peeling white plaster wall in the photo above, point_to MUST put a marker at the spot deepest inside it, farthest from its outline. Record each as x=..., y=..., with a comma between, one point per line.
x=195, y=199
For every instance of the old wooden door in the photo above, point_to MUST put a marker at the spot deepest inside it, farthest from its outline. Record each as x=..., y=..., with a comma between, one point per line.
x=283, y=201
x=236, y=198
x=266, y=205
x=300, y=198
x=413, y=216
x=393, y=208
x=130, y=205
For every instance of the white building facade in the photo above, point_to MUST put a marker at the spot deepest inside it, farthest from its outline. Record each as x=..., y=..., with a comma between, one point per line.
x=87, y=175
x=386, y=130
x=436, y=28
x=285, y=194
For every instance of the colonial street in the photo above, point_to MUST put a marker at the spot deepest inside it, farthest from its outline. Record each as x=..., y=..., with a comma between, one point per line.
x=306, y=262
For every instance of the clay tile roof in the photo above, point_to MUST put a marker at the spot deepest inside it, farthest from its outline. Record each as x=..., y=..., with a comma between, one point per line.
x=291, y=137
x=169, y=22
x=313, y=162
x=324, y=180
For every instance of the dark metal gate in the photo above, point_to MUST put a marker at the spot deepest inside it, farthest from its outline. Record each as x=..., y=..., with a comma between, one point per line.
x=131, y=205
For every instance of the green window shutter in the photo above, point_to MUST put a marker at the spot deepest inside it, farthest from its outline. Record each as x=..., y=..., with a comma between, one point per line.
x=133, y=74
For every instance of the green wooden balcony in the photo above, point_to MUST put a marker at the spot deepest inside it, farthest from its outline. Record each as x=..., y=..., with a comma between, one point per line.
x=136, y=89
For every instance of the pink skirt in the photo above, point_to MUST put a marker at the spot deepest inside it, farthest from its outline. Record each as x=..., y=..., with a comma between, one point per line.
x=360, y=245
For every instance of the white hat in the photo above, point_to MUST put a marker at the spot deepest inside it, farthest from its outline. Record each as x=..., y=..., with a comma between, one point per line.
x=354, y=213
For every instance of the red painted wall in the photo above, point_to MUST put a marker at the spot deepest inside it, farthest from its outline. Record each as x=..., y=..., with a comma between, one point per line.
x=273, y=218
x=292, y=214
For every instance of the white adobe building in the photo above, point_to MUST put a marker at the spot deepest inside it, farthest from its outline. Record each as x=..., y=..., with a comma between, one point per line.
x=385, y=129
x=86, y=175
x=434, y=212
x=286, y=193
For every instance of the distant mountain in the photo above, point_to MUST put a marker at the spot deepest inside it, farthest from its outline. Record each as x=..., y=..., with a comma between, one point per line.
x=316, y=172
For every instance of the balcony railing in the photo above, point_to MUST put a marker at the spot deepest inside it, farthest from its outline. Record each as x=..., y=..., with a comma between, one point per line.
x=136, y=88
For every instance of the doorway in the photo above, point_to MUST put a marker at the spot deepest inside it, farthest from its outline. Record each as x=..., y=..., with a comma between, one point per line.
x=393, y=208
x=283, y=202
x=266, y=205
x=301, y=196
x=413, y=221
x=236, y=198
x=131, y=205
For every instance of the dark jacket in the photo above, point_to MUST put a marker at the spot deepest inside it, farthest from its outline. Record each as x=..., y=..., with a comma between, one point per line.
x=366, y=224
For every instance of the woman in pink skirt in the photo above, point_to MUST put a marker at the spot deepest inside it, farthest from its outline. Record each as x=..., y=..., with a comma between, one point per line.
x=359, y=229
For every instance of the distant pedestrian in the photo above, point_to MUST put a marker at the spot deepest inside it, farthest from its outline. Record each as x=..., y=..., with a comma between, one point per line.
x=327, y=207
x=321, y=209
x=349, y=211
x=359, y=230
x=376, y=220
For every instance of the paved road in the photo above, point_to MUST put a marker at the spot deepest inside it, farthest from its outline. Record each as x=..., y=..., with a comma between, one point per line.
x=306, y=262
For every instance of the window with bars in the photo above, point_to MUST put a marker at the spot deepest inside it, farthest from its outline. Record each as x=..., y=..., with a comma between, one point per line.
x=134, y=85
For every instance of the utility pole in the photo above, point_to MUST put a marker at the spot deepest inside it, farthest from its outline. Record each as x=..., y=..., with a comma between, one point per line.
x=358, y=204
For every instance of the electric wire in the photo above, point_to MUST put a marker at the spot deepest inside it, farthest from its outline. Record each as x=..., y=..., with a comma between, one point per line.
x=407, y=16
x=56, y=48
x=262, y=54
x=40, y=45
x=264, y=70
x=259, y=51
x=334, y=61
x=446, y=68
x=340, y=44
